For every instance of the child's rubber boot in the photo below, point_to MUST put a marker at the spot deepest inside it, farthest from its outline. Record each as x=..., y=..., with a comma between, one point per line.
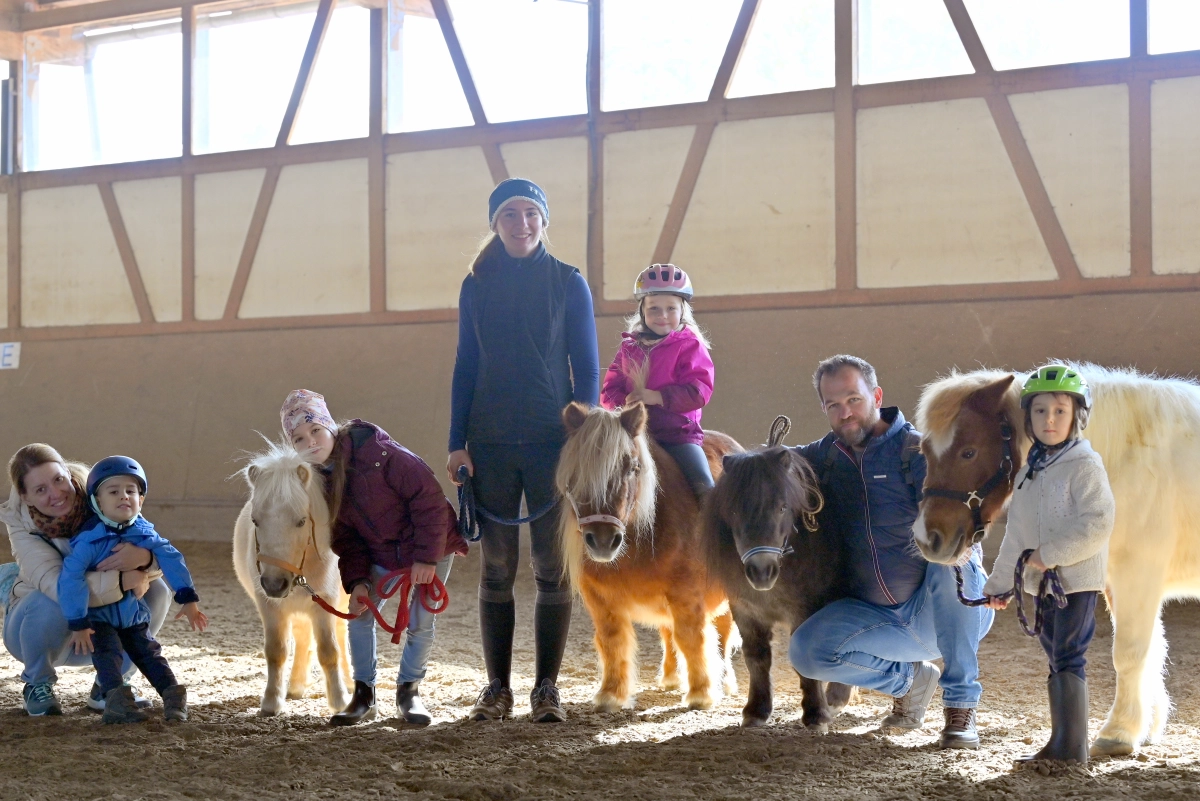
x=409, y=704
x=360, y=708
x=175, y=703
x=1068, y=721
x=120, y=706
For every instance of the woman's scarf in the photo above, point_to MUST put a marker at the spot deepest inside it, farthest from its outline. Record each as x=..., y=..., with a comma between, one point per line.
x=69, y=524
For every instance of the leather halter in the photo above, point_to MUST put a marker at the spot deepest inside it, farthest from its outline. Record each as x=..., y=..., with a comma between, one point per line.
x=615, y=522
x=974, y=499
x=296, y=571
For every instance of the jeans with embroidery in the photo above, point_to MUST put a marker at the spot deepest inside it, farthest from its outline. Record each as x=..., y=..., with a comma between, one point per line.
x=854, y=642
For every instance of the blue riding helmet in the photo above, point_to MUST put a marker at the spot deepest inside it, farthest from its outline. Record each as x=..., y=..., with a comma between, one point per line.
x=113, y=466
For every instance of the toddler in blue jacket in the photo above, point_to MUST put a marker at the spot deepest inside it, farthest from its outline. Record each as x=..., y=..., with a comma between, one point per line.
x=116, y=488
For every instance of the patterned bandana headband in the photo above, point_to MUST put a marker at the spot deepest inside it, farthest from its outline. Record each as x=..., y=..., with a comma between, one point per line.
x=303, y=406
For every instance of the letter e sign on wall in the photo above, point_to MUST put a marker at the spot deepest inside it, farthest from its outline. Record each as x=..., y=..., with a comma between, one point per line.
x=10, y=355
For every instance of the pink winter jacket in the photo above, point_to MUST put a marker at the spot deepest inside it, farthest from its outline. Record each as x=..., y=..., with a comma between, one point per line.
x=680, y=368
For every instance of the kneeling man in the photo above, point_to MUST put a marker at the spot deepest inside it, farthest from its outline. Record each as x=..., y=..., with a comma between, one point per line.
x=904, y=611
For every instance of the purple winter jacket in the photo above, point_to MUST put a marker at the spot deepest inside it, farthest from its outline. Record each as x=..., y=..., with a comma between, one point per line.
x=393, y=512
x=680, y=368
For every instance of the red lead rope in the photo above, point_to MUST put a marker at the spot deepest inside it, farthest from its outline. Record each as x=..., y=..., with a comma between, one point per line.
x=433, y=597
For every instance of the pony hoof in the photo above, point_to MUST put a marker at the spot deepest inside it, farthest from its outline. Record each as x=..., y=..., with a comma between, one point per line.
x=295, y=695
x=752, y=722
x=1103, y=746
x=269, y=711
x=669, y=683
x=817, y=728
x=607, y=704
x=699, y=701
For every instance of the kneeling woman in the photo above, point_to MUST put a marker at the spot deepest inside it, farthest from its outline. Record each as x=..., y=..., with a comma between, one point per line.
x=388, y=513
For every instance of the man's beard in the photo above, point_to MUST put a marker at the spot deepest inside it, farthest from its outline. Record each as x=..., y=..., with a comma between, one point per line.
x=864, y=433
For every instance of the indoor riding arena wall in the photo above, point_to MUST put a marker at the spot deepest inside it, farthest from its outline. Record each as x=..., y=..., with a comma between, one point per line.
x=165, y=309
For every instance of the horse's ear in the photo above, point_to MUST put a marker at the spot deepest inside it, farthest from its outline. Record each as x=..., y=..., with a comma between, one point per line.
x=633, y=419
x=304, y=472
x=573, y=416
x=989, y=398
x=726, y=461
x=252, y=474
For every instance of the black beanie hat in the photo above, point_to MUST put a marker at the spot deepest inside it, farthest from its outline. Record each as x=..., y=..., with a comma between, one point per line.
x=516, y=189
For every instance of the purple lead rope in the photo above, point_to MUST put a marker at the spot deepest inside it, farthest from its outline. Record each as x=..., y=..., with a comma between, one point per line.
x=1050, y=590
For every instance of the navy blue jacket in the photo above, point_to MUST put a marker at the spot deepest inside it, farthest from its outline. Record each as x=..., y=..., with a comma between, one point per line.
x=874, y=508
x=526, y=348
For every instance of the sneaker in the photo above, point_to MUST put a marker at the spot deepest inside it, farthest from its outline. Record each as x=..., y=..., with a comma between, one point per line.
x=40, y=701
x=960, y=729
x=95, y=701
x=908, y=711
x=543, y=704
x=494, y=703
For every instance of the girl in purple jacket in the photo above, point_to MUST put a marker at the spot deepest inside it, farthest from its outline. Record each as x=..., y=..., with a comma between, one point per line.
x=388, y=512
x=663, y=362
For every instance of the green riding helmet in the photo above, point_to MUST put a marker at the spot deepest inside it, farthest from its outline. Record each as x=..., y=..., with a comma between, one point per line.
x=1057, y=378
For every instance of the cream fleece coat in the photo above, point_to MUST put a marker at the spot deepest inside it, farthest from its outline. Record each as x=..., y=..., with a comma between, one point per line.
x=1066, y=510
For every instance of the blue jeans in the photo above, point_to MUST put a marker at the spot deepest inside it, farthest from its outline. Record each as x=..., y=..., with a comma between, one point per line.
x=854, y=642
x=36, y=634
x=418, y=641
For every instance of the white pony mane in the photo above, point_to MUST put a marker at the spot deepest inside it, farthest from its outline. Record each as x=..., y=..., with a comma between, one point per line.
x=587, y=469
x=278, y=475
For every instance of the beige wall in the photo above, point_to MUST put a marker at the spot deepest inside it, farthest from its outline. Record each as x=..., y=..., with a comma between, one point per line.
x=194, y=402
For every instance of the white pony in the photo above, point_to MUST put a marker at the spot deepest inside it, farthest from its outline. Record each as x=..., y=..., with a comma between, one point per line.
x=1147, y=430
x=287, y=521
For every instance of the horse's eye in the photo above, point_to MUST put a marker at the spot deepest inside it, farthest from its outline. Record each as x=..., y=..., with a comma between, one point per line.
x=635, y=466
x=254, y=522
x=301, y=522
x=969, y=453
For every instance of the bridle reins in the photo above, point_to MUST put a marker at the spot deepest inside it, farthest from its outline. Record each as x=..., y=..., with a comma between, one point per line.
x=974, y=499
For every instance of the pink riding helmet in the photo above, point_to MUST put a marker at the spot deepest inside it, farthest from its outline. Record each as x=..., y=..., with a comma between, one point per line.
x=662, y=279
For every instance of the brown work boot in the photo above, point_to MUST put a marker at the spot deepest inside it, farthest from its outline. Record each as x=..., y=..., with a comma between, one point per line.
x=120, y=707
x=494, y=703
x=543, y=704
x=908, y=711
x=960, y=729
x=360, y=708
x=175, y=703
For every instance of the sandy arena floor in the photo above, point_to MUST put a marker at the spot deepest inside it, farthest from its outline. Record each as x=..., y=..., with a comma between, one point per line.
x=658, y=751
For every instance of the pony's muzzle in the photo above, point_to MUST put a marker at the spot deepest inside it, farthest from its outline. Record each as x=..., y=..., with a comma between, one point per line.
x=275, y=586
x=603, y=542
x=936, y=544
x=762, y=571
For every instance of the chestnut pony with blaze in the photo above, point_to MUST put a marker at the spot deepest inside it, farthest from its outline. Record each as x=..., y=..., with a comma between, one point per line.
x=1145, y=429
x=631, y=541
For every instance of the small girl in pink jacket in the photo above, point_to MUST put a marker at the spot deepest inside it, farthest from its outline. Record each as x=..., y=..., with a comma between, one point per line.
x=663, y=362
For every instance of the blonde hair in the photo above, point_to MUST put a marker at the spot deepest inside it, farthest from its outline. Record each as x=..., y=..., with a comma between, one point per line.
x=37, y=454
x=636, y=322
x=490, y=245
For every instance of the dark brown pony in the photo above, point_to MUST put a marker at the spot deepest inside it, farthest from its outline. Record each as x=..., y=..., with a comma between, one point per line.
x=631, y=541
x=777, y=564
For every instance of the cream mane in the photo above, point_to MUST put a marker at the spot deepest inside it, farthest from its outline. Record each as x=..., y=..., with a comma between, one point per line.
x=943, y=398
x=588, y=470
x=277, y=482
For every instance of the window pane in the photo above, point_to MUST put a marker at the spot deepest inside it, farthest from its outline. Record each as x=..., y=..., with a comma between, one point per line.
x=1174, y=25
x=790, y=48
x=338, y=101
x=1031, y=33
x=660, y=52
x=108, y=97
x=246, y=65
x=494, y=34
x=423, y=87
x=902, y=40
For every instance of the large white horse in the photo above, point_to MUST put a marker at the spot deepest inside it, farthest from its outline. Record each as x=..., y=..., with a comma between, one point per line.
x=286, y=521
x=1147, y=430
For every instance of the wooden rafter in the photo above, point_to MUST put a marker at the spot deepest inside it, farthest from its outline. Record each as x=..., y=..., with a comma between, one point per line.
x=258, y=221
x=702, y=138
x=845, y=147
x=311, y=51
x=1141, y=219
x=187, y=233
x=491, y=150
x=377, y=164
x=595, y=199
x=189, y=50
x=1018, y=149
x=14, y=253
x=125, y=249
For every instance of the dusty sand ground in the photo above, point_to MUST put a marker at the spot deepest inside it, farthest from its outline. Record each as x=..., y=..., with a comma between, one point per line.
x=658, y=751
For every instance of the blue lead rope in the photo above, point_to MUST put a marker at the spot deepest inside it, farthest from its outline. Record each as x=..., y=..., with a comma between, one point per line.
x=469, y=510
x=1050, y=591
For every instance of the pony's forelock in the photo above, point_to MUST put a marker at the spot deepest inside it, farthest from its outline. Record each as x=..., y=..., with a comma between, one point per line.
x=277, y=476
x=942, y=399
